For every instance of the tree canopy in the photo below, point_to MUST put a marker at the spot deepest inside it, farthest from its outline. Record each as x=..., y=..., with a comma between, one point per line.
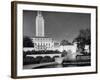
x=84, y=38
x=27, y=42
x=65, y=42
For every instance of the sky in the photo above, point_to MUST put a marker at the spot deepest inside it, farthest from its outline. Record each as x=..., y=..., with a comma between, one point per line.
x=58, y=25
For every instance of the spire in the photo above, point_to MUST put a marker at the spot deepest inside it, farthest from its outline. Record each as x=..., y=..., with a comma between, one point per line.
x=39, y=13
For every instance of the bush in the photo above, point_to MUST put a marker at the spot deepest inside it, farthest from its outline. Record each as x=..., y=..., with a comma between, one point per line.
x=27, y=42
x=38, y=59
x=42, y=52
x=83, y=58
x=28, y=60
x=46, y=59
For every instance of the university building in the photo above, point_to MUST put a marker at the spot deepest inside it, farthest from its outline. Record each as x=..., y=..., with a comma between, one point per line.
x=41, y=42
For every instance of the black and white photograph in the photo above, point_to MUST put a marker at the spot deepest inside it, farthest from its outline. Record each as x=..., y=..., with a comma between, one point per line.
x=53, y=39
x=56, y=39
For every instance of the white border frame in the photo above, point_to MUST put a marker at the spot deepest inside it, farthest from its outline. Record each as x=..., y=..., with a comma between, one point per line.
x=50, y=71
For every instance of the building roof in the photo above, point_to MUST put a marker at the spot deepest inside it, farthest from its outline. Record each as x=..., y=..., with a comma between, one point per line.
x=41, y=37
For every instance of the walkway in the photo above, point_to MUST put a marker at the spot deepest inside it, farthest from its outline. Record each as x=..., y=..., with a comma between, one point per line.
x=43, y=55
x=30, y=66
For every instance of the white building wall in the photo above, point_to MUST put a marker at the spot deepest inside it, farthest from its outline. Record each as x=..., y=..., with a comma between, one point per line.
x=87, y=48
x=73, y=48
x=43, y=43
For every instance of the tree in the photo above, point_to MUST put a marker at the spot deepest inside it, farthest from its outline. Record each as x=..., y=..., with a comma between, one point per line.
x=64, y=42
x=27, y=42
x=64, y=53
x=83, y=38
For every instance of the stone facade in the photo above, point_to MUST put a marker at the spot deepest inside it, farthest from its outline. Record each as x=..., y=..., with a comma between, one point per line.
x=43, y=43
